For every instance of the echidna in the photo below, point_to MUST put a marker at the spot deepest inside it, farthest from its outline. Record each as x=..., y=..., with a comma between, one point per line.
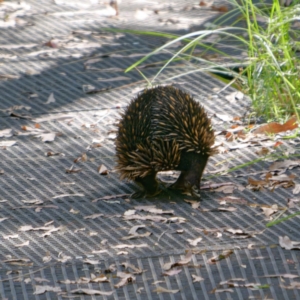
x=163, y=128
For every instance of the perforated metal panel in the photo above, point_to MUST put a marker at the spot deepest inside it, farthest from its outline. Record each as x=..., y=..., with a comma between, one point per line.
x=48, y=62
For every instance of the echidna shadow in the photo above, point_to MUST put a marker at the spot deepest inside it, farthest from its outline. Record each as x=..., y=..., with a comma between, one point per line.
x=163, y=128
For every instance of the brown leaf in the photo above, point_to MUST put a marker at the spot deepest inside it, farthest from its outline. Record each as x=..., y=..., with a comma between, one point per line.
x=221, y=8
x=256, y=182
x=263, y=151
x=102, y=170
x=50, y=153
x=275, y=127
x=182, y=262
x=83, y=158
x=72, y=170
x=215, y=259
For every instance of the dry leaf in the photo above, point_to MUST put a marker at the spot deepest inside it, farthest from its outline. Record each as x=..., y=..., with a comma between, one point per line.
x=50, y=153
x=195, y=204
x=286, y=243
x=23, y=244
x=135, y=228
x=230, y=209
x=240, y=233
x=263, y=151
x=222, y=291
x=291, y=202
x=63, y=257
x=233, y=200
x=160, y=289
x=296, y=189
x=94, y=216
x=83, y=158
x=268, y=211
x=226, y=189
x=39, y=280
x=72, y=170
x=215, y=259
x=224, y=118
x=172, y=272
x=6, y=133
x=274, y=127
x=100, y=278
x=290, y=276
x=135, y=236
x=129, y=212
x=5, y=144
x=90, y=261
x=125, y=278
x=152, y=209
x=182, y=262
x=90, y=292
x=122, y=246
x=195, y=241
x=292, y=286
x=51, y=99
x=47, y=258
x=256, y=182
x=135, y=269
x=12, y=236
x=41, y=289
x=102, y=170
x=197, y=278
x=47, y=137
x=285, y=164
x=147, y=217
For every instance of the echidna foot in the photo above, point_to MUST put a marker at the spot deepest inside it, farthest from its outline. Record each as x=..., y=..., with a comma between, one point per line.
x=145, y=194
x=149, y=185
x=186, y=188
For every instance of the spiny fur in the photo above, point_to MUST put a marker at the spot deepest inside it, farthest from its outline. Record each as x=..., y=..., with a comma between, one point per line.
x=159, y=126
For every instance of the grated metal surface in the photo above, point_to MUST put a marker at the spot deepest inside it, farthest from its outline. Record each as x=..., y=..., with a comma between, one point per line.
x=256, y=268
x=30, y=73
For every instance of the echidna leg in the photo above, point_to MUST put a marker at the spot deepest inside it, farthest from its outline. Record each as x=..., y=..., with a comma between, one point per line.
x=190, y=179
x=149, y=185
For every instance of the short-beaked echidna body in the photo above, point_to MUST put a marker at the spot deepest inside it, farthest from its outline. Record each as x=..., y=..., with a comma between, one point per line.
x=163, y=128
